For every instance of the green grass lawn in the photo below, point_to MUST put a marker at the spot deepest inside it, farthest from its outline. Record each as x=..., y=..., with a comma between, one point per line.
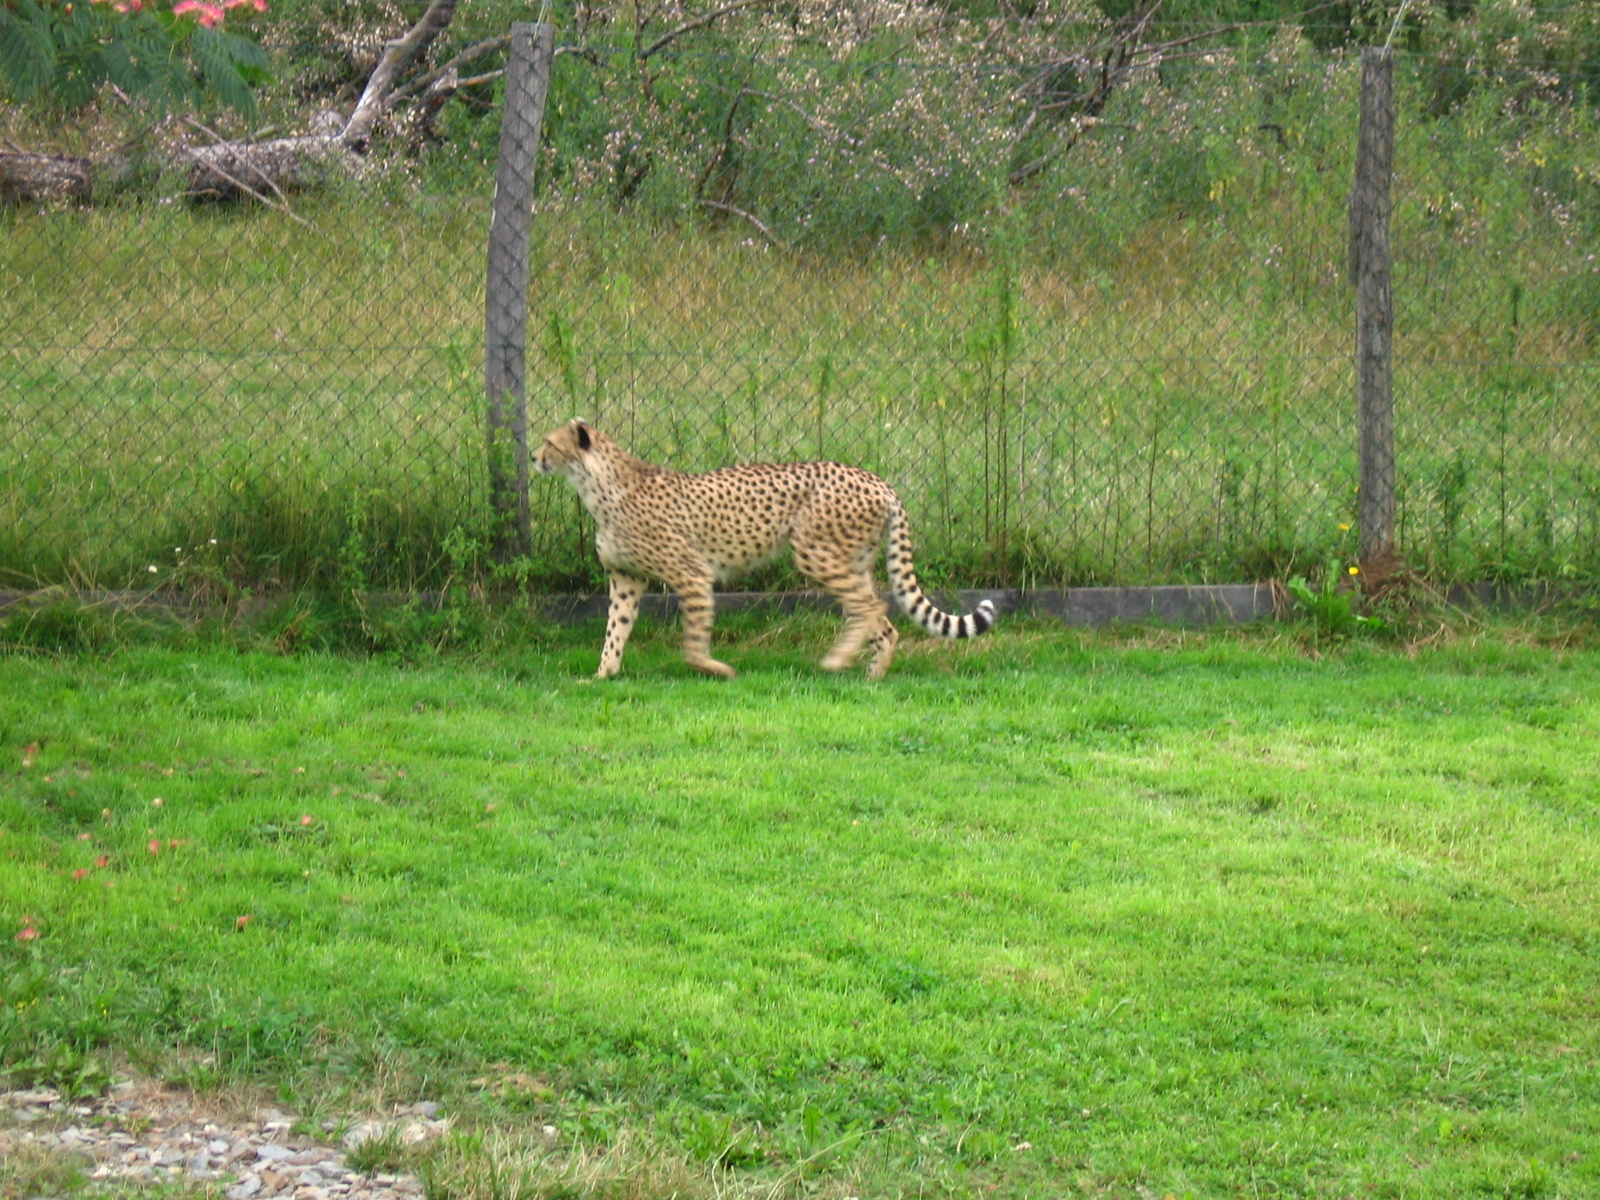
x=1207, y=915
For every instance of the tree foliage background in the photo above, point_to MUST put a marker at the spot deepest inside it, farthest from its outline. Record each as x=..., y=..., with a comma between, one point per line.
x=63, y=55
x=806, y=121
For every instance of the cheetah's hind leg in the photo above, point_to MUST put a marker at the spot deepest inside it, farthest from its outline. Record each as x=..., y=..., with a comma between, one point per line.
x=695, y=600
x=867, y=617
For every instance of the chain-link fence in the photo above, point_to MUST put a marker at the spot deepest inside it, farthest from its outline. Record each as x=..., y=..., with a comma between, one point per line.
x=1137, y=367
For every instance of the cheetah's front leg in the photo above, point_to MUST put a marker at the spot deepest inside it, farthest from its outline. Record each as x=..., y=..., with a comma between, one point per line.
x=695, y=599
x=625, y=594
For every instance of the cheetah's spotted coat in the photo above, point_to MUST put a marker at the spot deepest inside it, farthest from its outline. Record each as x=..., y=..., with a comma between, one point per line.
x=691, y=531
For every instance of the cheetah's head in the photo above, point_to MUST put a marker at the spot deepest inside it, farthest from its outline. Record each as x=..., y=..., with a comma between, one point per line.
x=563, y=450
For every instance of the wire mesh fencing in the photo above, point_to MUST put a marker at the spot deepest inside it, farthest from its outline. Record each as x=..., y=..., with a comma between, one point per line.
x=1143, y=373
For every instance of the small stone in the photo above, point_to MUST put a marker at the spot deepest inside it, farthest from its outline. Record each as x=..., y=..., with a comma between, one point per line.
x=200, y=1163
x=245, y=1188
x=272, y=1152
x=217, y=1145
x=426, y=1108
x=40, y=1096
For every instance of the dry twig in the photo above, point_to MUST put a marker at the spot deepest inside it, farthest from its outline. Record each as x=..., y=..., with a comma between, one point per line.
x=757, y=222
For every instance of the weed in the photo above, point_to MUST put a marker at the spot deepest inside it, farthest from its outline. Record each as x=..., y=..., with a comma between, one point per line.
x=1331, y=608
x=66, y=1069
x=717, y=1139
x=383, y=1150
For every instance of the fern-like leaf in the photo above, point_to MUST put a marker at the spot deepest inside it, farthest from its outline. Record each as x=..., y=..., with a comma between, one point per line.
x=27, y=50
x=212, y=53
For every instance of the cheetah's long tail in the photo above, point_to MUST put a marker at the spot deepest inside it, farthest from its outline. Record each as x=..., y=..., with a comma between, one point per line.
x=910, y=596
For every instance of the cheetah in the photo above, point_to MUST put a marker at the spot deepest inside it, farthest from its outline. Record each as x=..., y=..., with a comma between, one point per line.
x=692, y=531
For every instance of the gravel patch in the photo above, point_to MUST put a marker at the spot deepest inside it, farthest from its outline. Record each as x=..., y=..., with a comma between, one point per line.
x=145, y=1134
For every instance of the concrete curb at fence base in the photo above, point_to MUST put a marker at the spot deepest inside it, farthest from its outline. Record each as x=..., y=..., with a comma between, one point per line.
x=1088, y=607
x=1200, y=604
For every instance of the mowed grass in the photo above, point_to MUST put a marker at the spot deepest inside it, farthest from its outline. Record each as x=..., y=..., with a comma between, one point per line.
x=1200, y=915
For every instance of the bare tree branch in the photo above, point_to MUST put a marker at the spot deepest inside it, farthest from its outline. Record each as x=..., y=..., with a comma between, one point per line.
x=423, y=82
x=375, y=98
x=1116, y=62
x=725, y=151
x=433, y=101
x=754, y=220
x=700, y=22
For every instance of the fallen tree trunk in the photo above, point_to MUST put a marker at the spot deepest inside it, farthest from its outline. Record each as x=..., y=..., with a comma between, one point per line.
x=28, y=178
x=229, y=170
x=263, y=170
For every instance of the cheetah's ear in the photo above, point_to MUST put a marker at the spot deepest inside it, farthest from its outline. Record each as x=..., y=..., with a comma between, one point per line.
x=584, y=440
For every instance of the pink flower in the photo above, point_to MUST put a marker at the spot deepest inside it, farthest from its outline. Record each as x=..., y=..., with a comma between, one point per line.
x=81, y=873
x=305, y=818
x=209, y=15
x=154, y=846
x=242, y=921
x=103, y=861
x=27, y=933
x=258, y=5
